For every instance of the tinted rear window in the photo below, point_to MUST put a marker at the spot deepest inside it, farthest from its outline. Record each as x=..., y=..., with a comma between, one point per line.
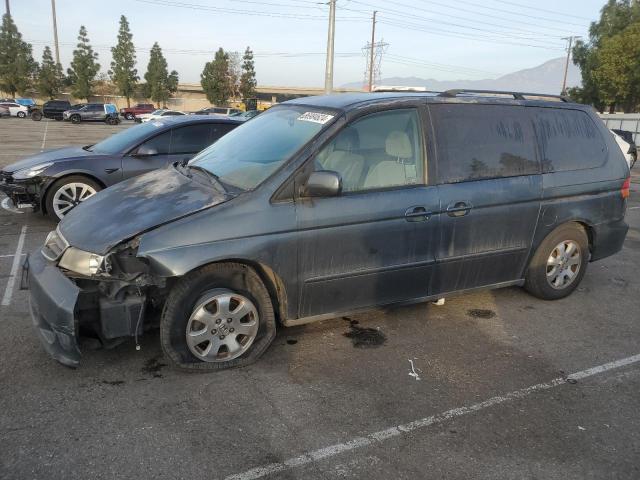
x=483, y=141
x=568, y=139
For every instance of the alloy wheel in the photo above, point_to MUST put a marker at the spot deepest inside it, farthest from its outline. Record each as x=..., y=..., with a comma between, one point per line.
x=222, y=327
x=70, y=195
x=563, y=264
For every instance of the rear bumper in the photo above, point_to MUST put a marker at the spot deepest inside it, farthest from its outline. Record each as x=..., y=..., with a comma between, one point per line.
x=608, y=239
x=52, y=301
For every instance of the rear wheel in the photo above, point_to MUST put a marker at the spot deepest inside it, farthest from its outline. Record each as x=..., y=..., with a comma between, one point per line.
x=129, y=116
x=36, y=116
x=559, y=264
x=67, y=193
x=218, y=317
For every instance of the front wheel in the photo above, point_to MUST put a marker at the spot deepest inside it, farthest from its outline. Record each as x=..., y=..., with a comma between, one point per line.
x=218, y=317
x=559, y=264
x=21, y=115
x=75, y=119
x=67, y=193
x=129, y=116
x=36, y=115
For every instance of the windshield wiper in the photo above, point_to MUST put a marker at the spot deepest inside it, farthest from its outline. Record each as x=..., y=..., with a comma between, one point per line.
x=210, y=175
x=87, y=148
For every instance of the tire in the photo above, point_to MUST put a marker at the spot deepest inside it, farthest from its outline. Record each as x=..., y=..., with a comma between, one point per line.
x=36, y=116
x=21, y=115
x=555, y=270
x=218, y=280
x=77, y=182
x=75, y=119
x=129, y=116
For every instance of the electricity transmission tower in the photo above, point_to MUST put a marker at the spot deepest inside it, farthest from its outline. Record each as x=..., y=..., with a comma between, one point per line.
x=373, y=62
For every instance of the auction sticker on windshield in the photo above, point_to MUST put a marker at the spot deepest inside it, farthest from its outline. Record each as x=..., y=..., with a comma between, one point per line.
x=315, y=117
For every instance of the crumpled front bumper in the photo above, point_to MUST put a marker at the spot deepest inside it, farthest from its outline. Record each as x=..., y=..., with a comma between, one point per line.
x=53, y=300
x=22, y=194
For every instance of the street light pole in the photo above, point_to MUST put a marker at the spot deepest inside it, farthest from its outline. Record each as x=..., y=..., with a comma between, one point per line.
x=373, y=41
x=55, y=30
x=328, y=74
x=7, y=8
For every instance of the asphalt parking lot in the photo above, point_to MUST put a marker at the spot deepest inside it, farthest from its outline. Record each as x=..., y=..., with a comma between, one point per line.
x=490, y=385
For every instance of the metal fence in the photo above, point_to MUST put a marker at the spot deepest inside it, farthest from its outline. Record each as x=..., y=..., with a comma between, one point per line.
x=623, y=121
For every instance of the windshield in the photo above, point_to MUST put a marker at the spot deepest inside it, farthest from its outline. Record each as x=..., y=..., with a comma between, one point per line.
x=157, y=112
x=123, y=141
x=247, y=155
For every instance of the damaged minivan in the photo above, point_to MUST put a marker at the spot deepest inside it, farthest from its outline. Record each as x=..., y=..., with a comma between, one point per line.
x=326, y=205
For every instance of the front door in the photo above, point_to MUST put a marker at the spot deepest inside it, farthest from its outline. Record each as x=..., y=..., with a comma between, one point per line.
x=150, y=155
x=490, y=186
x=375, y=243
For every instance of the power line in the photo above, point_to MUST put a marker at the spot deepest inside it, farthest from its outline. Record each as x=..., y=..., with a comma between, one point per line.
x=529, y=7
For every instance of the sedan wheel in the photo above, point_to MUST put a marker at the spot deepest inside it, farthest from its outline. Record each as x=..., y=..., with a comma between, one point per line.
x=128, y=116
x=21, y=114
x=222, y=327
x=67, y=193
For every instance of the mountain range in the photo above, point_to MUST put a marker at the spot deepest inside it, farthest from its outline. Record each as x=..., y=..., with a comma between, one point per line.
x=545, y=78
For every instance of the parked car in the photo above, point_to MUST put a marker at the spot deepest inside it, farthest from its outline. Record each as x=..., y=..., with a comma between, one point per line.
x=218, y=111
x=326, y=205
x=30, y=103
x=624, y=139
x=15, y=109
x=249, y=114
x=56, y=181
x=158, y=114
x=4, y=111
x=93, y=112
x=52, y=109
x=129, y=113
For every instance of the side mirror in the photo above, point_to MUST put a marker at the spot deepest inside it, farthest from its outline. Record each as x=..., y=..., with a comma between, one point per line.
x=146, y=151
x=323, y=183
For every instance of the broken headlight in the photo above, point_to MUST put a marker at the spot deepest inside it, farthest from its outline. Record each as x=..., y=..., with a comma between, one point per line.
x=79, y=261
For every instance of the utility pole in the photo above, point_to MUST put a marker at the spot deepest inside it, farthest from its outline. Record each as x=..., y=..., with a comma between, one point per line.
x=328, y=74
x=7, y=8
x=55, y=30
x=566, y=65
x=373, y=42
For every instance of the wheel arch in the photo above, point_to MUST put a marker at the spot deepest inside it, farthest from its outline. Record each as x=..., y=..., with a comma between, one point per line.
x=583, y=223
x=49, y=183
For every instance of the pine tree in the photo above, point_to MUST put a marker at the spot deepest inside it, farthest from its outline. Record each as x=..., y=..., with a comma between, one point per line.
x=84, y=67
x=215, y=79
x=50, y=76
x=17, y=67
x=248, y=78
x=123, y=72
x=160, y=84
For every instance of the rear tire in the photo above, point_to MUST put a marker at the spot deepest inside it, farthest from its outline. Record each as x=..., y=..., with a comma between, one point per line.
x=83, y=187
x=36, y=116
x=559, y=264
x=129, y=116
x=192, y=294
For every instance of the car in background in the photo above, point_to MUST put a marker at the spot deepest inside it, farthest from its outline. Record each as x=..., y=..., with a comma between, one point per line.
x=30, y=103
x=624, y=139
x=56, y=181
x=16, y=110
x=53, y=109
x=129, y=113
x=4, y=111
x=160, y=113
x=93, y=112
x=218, y=111
x=249, y=114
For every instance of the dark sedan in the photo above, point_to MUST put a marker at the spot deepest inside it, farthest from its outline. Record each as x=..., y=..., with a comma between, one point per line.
x=55, y=181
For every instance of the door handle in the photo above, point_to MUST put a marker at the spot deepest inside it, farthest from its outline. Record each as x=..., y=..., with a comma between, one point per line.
x=417, y=214
x=459, y=209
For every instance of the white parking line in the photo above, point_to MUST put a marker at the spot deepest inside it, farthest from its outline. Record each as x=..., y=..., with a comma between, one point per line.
x=399, y=430
x=8, y=291
x=11, y=255
x=44, y=138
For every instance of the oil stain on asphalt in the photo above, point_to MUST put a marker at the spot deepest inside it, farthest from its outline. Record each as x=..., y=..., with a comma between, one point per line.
x=481, y=313
x=364, y=337
x=153, y=367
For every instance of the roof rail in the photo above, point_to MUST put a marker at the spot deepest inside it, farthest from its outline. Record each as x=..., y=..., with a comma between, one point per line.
x=515, y=95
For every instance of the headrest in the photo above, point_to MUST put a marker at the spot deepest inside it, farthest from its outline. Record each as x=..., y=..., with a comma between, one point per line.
x=348, y=140
x=398, y=145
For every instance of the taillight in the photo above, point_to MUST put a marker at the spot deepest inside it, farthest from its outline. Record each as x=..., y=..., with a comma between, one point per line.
x=626, y=187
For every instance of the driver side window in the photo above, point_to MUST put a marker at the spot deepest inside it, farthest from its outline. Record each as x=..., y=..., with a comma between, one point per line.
x=381, y=150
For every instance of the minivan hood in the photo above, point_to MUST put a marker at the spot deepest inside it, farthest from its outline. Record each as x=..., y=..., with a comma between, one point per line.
x=135, y=206
x=55, y=155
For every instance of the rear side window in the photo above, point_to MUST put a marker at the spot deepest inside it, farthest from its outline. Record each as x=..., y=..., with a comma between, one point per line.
x=568, y=140
x=220, y=129
x=190, y=139
x=483, y=141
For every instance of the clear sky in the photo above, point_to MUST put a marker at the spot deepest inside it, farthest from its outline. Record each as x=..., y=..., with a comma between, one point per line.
x=440, y=39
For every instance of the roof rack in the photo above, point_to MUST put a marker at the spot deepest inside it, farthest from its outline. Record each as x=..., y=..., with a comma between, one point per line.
x=401, y=89
x=515, y=95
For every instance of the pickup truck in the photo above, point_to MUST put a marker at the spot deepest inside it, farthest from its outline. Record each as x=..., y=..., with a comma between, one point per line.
x=130, y=113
